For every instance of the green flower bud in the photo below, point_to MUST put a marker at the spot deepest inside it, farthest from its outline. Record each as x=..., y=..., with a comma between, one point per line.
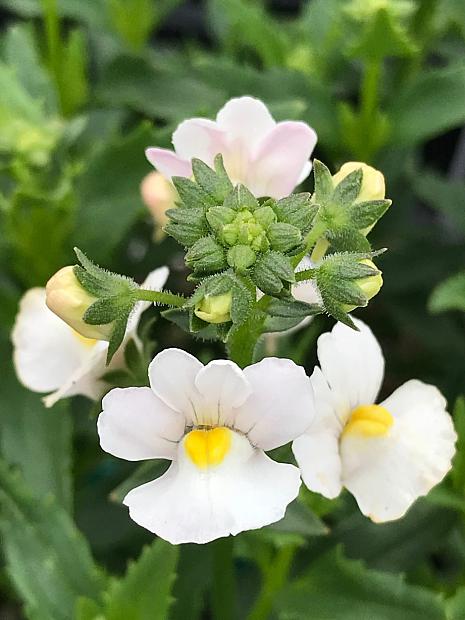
x=265, y=216
x=284, y=237
x=218, y=217
x=241, y=257
x=206, y=255
x=214, y=308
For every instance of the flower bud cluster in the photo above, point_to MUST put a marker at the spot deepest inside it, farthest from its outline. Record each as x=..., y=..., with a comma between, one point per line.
x=225, y=227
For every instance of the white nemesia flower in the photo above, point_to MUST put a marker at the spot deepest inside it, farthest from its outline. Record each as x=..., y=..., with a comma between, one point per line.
x=214, y=423
x=270, y=158
x=50, y=356
x=386, y=455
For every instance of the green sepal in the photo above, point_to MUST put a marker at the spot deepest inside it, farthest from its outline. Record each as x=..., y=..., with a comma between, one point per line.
x=192, y=195
x=284, y=237
x=217, y=217
x=292, y=308
x=365, y=214
x=296, y=210
x=324, y=185
x=347, y=191
x=119, y=331
x=271, y=271
x=216, y=182
x=186, y=225
x=103, y=311
x=181, y=318
x=206, y=256
x=348, y=240
x=241, y=198
x=98, y=281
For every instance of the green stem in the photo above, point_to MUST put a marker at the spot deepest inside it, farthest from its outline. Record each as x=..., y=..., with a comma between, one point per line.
x=369, y=99
x=223, y=591
x=306, y=274
x=274, y=579
x=53, y=42
x=160, y=297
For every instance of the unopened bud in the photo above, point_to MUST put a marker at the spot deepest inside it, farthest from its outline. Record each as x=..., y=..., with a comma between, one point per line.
x=369, y=285
x=69, y=300
x=373, y=187
x=215, y=308
x=159, y=195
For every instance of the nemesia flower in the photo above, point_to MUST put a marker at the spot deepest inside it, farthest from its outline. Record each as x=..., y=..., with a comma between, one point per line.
x=214, y=423
x=50, y=356
x=158, y=195
x=269, y=158
x=386, y=455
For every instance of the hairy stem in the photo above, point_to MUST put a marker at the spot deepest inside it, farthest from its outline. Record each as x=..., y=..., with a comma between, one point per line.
x=160, y=297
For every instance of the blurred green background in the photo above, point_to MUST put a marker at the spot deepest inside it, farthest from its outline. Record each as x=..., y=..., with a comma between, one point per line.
x=85, y=86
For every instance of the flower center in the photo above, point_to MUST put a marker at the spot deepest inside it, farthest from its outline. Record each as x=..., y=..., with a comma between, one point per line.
x=208, y=447
x=369, y=421
x=87, y=342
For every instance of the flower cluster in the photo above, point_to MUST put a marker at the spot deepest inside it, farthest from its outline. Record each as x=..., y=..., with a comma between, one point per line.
x=262, y=260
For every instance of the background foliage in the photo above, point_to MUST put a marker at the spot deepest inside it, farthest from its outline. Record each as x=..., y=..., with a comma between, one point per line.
x=85, y=86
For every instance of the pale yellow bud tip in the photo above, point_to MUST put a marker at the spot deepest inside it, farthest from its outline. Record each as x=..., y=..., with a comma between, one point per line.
x=68, y=300
x=370, y=285
x=373, y=186
x=215, y=309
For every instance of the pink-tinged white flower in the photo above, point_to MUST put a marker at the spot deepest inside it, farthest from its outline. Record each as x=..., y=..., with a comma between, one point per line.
x=386, y=455
x=50, y=356
x=270, y=158
x=214, y=423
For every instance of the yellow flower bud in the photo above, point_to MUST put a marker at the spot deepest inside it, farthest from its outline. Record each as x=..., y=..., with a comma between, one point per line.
x=370, y=285
x=68, y=300
x=373, y=187
x=159, y=195
x=215, y=308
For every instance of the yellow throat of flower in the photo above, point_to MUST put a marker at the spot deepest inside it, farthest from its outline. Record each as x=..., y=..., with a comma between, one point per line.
x=208, y=447
x=87, y=342
x=369, y=421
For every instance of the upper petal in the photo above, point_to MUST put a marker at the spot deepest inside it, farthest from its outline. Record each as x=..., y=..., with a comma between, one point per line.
x=135, y=425
x=245, y=119
x=353, y=365
x=47, y=352
x=223, y=387
x=172, y=377
x=168, y=163
x=281, y=405
x=247, y=491
x=281, y=159
x=199, y=137
x=387, y=474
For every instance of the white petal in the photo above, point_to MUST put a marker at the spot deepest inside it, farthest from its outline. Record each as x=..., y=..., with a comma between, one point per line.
x=168, y=163
x=198, y=137
x=317, y=450
x=247, y=491
x=136, y=425
x=387, y=474
x=172, y=377
x=281, y=405
x=47, y=351
x=245, y=119
x=85, y=380
x=353, y=364
x=223, y=387
x=281, y=159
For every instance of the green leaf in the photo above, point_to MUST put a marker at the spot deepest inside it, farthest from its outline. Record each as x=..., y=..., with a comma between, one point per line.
x=180, y=318
x=144, y=593
x=33, y=438
x=442, y=194
x=455, y=606
x=48, y=560
x=299, y=519
x=449, y=295
x=418, y=111
x=145, y=472
x=336, y=588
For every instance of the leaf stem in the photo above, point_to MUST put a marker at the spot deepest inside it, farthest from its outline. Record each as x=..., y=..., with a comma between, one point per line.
x=223, y=591
x=160, y=297
x=274, y=578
